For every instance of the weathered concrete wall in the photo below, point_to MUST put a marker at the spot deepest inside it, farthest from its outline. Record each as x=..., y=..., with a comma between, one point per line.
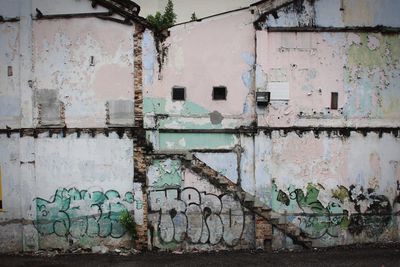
x=225, y=57
x=11, y=233
x=94, y=185
x=338, y=185
x=87, y=69
x=73, y=191
x=363, y=68
x=338, y=189
x=62, y=187
x=10, y=111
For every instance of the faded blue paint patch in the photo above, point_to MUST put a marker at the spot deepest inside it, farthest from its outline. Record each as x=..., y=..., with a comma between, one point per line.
x=248, y=58
x=372, y=94
x=247, y=107
x=261, y=78
x=307, y=87
x=224, y=163
x=247, y=79
x=149, y=57
x=311, y=74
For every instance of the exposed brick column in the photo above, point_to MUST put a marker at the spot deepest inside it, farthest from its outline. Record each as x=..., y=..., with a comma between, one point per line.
x=263, y=233
x=139, y=140
x=140, y=135
x=141, y=230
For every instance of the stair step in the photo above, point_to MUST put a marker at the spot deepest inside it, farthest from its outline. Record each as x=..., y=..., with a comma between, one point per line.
x=258, y=203
x=290, y=228
x=274, y=221
x=250, y=201
x=265, y=214
x=223, y=181
x=248, y=197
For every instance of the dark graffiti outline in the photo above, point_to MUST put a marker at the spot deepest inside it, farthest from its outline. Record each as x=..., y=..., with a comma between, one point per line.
x=209, y=216
x=331, y=219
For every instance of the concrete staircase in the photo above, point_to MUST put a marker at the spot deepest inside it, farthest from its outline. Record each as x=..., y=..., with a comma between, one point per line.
x=247, y=200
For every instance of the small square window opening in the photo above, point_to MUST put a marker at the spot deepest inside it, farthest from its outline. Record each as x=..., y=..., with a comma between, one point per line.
x=334, y=100
x=219, y=93
x=178, y=93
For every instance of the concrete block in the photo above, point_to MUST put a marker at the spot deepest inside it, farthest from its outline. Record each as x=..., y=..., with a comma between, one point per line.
x=49, y=107
x=120, y=112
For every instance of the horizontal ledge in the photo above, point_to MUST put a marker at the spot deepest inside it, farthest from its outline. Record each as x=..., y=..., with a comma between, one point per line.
x=132, y=131
x=72, y=15
x=15, y=19
x=189, y=151
x=285, y=129
x=382, y=29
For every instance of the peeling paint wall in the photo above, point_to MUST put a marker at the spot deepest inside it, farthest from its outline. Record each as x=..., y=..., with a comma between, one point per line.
x=66, y=176
x=10, y=111
x=225, y=57
x=338, y=185
x=74, y=190
x=363, y=68
x=87, y=67
x=69, y=124
x=338, y=190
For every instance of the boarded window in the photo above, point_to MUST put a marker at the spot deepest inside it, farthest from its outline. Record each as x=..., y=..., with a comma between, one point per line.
x=334, y=100
x=219, y=93
x=178, y=93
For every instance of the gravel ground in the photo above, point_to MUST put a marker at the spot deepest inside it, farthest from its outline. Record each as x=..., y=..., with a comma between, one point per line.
x=339, y=256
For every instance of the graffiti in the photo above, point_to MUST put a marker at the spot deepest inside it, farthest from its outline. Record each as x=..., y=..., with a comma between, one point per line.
x=197, y=217
x=375, y=217
x=372, y=212
x=321, y=222
x=81, y=213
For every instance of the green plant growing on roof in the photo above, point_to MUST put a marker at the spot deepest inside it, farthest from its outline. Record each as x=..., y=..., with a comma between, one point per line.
x=126, y=220
x=163, y=21
x=160, y=23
